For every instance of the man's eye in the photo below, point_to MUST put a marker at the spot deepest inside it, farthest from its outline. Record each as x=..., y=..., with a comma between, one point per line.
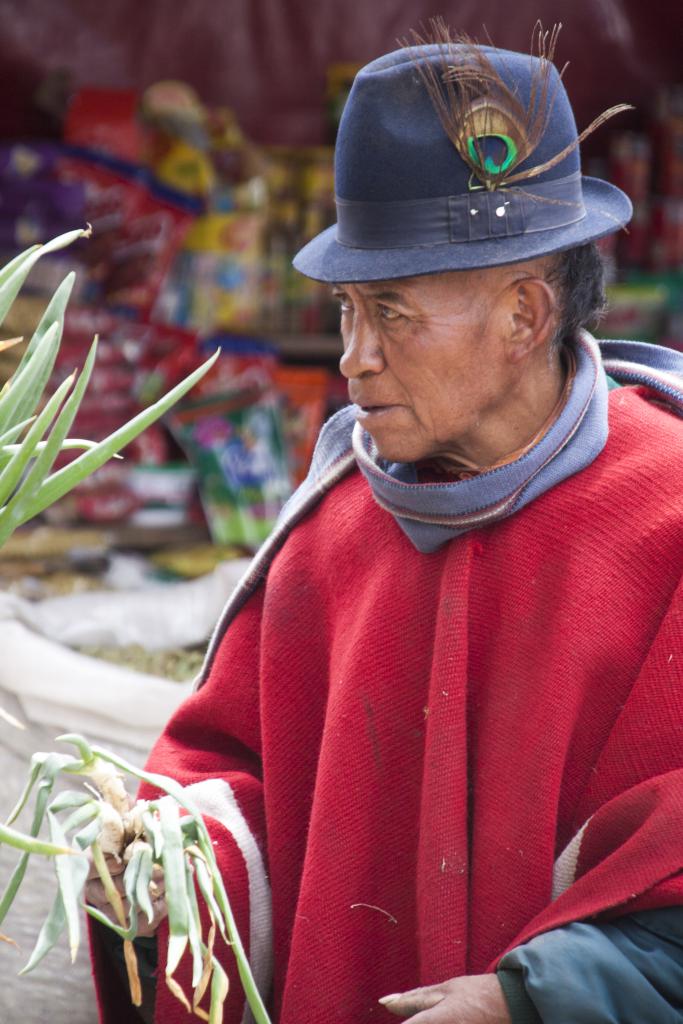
x=387, y=313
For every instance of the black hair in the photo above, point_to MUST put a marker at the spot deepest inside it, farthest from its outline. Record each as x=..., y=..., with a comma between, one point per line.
x=578, y=275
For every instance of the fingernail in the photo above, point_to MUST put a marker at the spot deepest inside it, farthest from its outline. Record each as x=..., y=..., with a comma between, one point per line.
x=389, y=999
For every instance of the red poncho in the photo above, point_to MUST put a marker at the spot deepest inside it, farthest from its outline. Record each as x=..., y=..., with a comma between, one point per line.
x=411, y=741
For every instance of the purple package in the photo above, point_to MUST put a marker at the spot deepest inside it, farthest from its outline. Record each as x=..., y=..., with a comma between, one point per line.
x=24, y=161
x=37, y=210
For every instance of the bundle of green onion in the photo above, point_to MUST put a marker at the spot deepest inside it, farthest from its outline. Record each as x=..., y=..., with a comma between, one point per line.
x=151, y=833
x=34, y=429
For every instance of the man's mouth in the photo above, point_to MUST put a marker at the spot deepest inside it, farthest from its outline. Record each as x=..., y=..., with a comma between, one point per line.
x=374, y=410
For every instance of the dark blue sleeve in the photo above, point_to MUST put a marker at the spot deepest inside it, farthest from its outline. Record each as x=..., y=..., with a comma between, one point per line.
x=627, y=971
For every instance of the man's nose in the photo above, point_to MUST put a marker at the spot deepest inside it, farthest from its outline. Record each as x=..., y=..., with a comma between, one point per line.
x=362, y=349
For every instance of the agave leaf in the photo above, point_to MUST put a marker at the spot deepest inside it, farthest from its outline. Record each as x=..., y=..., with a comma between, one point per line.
x=22, y=396
x=14, y=511
x=61, y=482
x=12, y=472
x=9, y=268
x=13, y=433
x=71, y=875
x=53, y=926
x=18, y=270
x=54, y=314
x=71, y=444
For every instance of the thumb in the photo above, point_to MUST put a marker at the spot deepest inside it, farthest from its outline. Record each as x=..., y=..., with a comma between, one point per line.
x=405, y=1004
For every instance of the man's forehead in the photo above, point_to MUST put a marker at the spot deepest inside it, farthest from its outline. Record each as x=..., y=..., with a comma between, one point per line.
x=394, y=288
x=403, y=288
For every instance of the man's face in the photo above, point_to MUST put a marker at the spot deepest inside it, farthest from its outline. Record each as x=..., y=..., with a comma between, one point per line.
x=426, y=359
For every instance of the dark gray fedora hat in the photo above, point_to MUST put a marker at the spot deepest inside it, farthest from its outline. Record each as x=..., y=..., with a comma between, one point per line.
x=416, y=195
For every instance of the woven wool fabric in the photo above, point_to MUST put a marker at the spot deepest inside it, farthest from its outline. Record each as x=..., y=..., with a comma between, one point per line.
x=411, y=741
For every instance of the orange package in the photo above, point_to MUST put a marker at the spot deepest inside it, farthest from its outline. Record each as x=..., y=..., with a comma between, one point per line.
x=303, y=391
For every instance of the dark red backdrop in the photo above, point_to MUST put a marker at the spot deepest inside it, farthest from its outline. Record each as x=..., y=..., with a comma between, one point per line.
x=267, y=58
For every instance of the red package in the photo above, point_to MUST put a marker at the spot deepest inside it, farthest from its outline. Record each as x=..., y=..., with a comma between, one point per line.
x=106, y=119
x=150, y=238
x=111, y=201
x=137, y=230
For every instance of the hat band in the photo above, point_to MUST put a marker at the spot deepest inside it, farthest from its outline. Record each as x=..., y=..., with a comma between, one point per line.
x=474, y=217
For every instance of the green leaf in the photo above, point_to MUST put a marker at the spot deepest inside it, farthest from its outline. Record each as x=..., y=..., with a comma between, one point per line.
x=53, y=926
x=21, y=266
x=13, y=433
x=88, y=815
x=177, y=903
x=194, y=931
x=205, y=883
x=81, y=745
x=24, y=392
x=85, y=838
x=9, y=268
x=69, y=799
x=44, y=768
x=72, y=873
x=65, y=479
x=30, y=844
x=70, y=444
x=124, y=933
x=144, y=877
x=12, y=472
x=152, y=827
x=219, y=991
x=54, y=314
x=42, y=765
x=14, y=511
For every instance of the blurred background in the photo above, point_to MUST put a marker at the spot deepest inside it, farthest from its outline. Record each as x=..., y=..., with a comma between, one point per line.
x=197, y=139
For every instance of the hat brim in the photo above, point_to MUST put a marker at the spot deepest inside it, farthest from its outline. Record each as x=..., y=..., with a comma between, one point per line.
x=326, y=259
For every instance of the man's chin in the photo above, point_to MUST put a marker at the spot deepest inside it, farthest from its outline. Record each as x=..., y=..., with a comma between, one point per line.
x=396, y=450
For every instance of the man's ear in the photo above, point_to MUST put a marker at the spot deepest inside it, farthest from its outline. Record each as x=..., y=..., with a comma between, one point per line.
x=533, y=316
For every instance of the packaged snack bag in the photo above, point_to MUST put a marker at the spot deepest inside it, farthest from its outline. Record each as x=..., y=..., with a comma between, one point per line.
x=303, y=394
x=138, y=227
x=106, y=120
x=235, y=444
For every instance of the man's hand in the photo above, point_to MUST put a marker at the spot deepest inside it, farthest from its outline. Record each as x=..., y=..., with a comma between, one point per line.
x=474, y=999
x=97, y=897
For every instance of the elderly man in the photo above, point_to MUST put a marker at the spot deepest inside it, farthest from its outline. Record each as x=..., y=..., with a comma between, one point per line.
x=438, y=734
